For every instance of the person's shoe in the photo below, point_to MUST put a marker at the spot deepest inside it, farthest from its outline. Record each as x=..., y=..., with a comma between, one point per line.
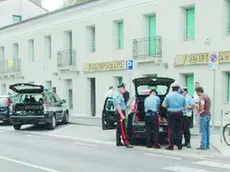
x=149, y=146
x=129, y=146
x=170, y=147
x=180, y=147
x=158, y=146
x=201, y=148
x=188, y=145
x=119, y=144
x=185, y=144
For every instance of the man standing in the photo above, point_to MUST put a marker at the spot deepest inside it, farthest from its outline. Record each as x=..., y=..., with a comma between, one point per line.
x=175, y=103
x=196, y=101
x=151, y=104
x=110, y=93
x=187, y=114
x=120, y=106
x=205, y=116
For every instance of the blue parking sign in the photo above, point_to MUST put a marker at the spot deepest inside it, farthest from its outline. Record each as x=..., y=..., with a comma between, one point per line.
x=129, y=65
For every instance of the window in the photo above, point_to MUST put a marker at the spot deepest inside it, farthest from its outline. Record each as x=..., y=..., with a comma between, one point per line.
x=228, y=91
x=120, y=35
x=31, y=50
x=68, y=52
x=47, y=47
x=228, y=5
x=190, y=23
x=15, y=51
x=152, y=35
x=17, y=18
x=189, y=81
x=145, y=89
x=92, y=36
x=2, y=53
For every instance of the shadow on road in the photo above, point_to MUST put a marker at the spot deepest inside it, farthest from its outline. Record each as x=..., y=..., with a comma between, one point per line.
x=4, y=124
x=39, y=128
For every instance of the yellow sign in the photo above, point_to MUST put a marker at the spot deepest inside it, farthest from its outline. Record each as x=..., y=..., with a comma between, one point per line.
x=224, y=57
x=10, y=63
x=105, y=66
x=191, y=59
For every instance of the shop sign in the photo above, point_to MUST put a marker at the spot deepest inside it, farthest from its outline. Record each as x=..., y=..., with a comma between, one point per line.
x=104, y=66
x=191, y=59
x=224, y=57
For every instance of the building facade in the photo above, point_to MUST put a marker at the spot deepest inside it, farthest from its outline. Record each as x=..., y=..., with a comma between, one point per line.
x=80, y=51
x=13, y=11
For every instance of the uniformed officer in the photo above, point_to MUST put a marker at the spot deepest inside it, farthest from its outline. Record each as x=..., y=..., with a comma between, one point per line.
x=151, y=104
x=187, y=114
x=120, y=106
x=175, y=103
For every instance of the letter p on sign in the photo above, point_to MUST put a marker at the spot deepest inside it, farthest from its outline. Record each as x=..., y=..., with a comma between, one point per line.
x=129, y=65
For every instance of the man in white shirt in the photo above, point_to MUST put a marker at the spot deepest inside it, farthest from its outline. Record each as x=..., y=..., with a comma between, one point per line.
x=196, y=101
x=110, y=93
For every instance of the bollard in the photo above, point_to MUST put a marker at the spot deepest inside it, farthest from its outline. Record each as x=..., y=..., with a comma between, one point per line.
x=221, y=125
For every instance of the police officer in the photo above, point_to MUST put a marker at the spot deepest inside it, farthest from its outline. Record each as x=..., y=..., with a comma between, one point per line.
x=120, y=106
x=187, y=114
x=175, y=103
x=151, y=104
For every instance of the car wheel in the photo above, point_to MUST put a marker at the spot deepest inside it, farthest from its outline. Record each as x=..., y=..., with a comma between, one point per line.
x=53, y=123
x=65, y=118
x=17, y=126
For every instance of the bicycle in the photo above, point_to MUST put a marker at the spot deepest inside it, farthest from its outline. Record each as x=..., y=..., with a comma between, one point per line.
x=226, y=134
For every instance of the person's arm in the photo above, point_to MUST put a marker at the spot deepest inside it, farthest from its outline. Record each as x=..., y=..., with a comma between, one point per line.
x=184, y=104
x=165, y=102
x=191, y=104
x=202, y=103
x=158, y=104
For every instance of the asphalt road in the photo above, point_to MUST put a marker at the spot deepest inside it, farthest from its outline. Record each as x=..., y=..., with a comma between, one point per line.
x=27, y=151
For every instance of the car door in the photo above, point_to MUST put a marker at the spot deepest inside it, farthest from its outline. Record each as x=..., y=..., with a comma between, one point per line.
x=57, y=106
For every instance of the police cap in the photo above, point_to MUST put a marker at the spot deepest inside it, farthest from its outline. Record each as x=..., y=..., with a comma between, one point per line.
x=175, y=86
x=121, y=85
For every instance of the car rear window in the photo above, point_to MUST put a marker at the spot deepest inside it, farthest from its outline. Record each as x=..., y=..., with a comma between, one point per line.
x=32, y=98
x=145, y=89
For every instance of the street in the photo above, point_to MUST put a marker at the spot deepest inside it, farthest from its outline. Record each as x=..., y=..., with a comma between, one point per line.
x=73, y=148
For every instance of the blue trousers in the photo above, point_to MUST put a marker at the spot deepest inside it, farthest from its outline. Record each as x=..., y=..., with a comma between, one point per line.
x=204, y=131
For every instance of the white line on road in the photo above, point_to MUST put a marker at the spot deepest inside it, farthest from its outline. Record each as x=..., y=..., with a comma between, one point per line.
x=163, y=156
x=213, y=164
x=60, y=129
x=85, y=144
x=28, y=164
x=184, y=169
x=37, y=137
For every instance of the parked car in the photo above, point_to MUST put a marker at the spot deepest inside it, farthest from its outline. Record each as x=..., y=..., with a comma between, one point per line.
x=135, y=123
x=5, y=102
x=109, y=120
x=35, y=106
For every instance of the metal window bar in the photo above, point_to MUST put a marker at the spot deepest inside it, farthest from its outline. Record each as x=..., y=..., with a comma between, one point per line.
x=120, y=44
x=145, y=48
x=93, y=47
x=189, y=33
x=66, y=58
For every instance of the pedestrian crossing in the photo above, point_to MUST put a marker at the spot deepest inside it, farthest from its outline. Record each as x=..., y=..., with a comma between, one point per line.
x=200, y=166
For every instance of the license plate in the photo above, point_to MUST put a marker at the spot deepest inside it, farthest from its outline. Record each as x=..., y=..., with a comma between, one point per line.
x=161, y=129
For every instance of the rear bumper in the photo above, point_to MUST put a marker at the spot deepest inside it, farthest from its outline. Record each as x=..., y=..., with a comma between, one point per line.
x=30, y=119
x=4, y=116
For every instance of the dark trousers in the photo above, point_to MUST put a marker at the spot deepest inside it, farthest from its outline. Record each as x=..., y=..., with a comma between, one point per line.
x=121, y=130
x=152, y=128
x=175, y=128
x=186, y=129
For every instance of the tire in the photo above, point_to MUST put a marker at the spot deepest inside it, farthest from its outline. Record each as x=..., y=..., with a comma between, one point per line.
x=65, y=118
x=17, y=126
x=226, y=134
x=53, y=123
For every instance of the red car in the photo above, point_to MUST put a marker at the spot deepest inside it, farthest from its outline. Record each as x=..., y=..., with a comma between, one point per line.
x=135, y=124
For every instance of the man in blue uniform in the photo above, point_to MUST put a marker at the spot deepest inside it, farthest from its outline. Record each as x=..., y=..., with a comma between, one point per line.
x=175, y=103
x=120, y=106
x=151, y=104
x=187, y=114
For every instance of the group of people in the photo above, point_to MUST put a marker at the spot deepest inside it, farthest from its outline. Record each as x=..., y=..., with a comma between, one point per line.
x=180, y=107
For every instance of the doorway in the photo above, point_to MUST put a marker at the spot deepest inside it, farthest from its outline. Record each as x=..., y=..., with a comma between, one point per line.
x=48, y=85
x=118, y=80
x=92, y=83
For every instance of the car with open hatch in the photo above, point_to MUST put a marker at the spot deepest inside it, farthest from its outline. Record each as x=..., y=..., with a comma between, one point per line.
x=135, y=123
x=35, y=106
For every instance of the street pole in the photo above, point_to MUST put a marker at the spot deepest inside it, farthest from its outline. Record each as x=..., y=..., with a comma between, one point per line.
x=221, y=125
x=130, y=83
x=213, y=102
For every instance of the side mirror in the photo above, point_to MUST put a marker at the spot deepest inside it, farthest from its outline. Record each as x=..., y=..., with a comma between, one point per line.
x=63, y=101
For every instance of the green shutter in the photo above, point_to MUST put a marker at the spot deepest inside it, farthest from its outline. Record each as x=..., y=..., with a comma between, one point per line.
x=228, y=98
x=120, y=80
x=152, y=35
x=120, y=35
x=190, y=23
x=190, y=84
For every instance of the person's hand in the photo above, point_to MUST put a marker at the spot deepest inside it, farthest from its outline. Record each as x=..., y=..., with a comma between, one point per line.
x=122, y=117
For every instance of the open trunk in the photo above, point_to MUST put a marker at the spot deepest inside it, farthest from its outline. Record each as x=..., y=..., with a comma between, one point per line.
x=28, y=109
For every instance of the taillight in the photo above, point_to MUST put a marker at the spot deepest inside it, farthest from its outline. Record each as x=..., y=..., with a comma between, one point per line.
x=137, y=118
x=11, y=107
x=45, y=106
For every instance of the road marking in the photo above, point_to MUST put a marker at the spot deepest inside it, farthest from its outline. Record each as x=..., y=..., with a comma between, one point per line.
x=163, y=156
x=60, y=129
x=184, y=169
x=28, y=164
x=37, y=137
x=213, y=164
x=85, y=144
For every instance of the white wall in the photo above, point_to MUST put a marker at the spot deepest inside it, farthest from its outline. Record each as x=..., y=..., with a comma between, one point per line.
x=170, y=25
x=24, y=8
